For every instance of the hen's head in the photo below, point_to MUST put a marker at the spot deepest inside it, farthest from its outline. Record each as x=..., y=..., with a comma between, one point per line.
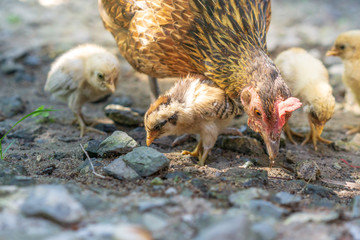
x=346, y=46
x=103, y=71
x=267, y=116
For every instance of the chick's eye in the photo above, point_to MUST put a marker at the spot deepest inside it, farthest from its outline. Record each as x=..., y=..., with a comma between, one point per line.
x=158, y=126
x=342, y=47
x=100, y=76
x=257, y=113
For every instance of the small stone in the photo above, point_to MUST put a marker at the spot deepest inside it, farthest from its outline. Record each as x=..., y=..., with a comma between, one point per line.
x=248, y=177
x=178, y=175
x=248, y=164
x=151, y=203
x=123, y=101
x=243, y=197
x=284, y=198
x=241, y=144
x=321, y=191
x=91, y=148
x=153, y=222
x=53, y=202
x=266, y=209
x=10, y=67
x=157, y=181
x=308, y=170
x=123, y=115
x=146, y=161
x=316, y=217
x=264, y=230
x=337, y=166
x=85, y=167
x=120, y=170
x=169, y=191
x=235, y=228
x=32, y=60
x=118, y=143
x=11, y=106
x=356, y=207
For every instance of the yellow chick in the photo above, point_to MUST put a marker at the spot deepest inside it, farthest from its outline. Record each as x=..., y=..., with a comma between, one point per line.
x=347, y=47
x=308, y=80
x=83, y=74
x=193, y=105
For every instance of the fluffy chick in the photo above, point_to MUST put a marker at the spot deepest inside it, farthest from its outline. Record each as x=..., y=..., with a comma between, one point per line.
x=347, y=47
x=83, y=74
x=193, y=105
x=308, y=80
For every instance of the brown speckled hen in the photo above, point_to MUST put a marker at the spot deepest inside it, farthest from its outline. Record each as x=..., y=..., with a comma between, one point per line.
x=225, y=41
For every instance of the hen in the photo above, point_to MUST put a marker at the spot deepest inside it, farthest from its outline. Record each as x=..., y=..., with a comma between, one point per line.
x=83, y=74
x=193, y=105
x=224, y=41
x=308, y=80
x=347, y=47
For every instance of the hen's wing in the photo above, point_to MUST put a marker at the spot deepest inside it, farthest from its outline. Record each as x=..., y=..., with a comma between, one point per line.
x=64, y=78
x=149, y=33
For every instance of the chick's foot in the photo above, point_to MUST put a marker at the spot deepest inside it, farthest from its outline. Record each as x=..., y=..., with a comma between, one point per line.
x=352, y=130
x=290, y=133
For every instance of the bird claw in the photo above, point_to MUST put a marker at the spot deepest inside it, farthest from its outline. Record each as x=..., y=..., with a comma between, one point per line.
x=193, y=154
x=85, y=129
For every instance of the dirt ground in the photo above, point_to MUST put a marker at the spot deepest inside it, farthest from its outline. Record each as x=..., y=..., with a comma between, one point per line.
x=46, y=28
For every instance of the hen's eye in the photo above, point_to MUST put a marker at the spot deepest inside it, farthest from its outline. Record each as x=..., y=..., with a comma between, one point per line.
x=257, y=112
x=100, y=76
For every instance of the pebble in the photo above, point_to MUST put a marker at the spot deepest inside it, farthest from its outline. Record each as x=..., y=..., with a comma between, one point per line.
x=123, y=101
x=146, y=161
x=316, y=217
x=53, y=202
x=321, y=191
x=307, y=170
x=243, y=197
x=264, y=230
x=157, y=181
x=91, y=148
x=120, y=170
x=118, y=143
x=151, y=203
x=235, y=228
x=11, y=106
x=265, y=209
x=10, y=67
x=169, y=191
x=284, y=198
x=356, y=207
x=123, y=115
x=32, y=60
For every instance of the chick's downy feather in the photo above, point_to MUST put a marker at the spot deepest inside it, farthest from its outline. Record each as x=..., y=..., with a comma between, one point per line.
x=308, y=79
x=83, y=74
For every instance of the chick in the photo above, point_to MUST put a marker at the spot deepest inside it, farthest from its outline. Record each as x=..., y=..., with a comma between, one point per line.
x=193, y=105
x=83, y=74
x=347, y=47
x=308, y=80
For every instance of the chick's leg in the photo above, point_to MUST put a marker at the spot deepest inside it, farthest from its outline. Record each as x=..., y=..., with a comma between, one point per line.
x=83, y=127
x=352, y=130
x=290, y=133
x=197, y=151
x=314, y=134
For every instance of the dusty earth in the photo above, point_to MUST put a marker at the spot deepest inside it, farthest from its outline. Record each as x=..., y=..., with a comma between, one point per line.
x=43, y=29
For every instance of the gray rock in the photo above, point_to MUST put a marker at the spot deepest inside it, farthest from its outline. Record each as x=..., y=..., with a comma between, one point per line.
x=118, y=143
x=320, y=191
x=120, y=170
x=266, y=209
x=247, y=177
x=91, y=148
x=356, y=207
x=11, y=106
x=264, y=230
x=307, y=170
x=285, y=198
x=243, y=197
x=146, y=161
x=151, y=203
x=154, y=222
x=236, y=228
x=11, y=175
x=123, y=115
x=241, y=144
x=123, y=101
x=316, y=217
x=32, y=60
x=85, y=167
x=53, y=202
x=10, y=67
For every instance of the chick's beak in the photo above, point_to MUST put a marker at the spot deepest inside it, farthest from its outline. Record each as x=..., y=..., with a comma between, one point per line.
x=332, y=52
x=151, y=136
x=111, y=87
x=272, y=146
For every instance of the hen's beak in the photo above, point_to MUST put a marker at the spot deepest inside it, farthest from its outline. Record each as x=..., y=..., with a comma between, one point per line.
x=272, y=147
x=332, y=52
x=151, y=136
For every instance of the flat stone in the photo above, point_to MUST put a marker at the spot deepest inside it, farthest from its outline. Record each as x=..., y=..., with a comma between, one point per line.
x=284, y=198
x=241, y=144
x=146, y=161
x=356, y=207
x=91, y=148
x=321, y=191
x=123, y=115
x=235, y=228
x=10, y=67
x=118, y=143
x=266, y=209
x=11, y=106
x=120, y=170
x=53, y=202
x=243, y=197
x=316, y=217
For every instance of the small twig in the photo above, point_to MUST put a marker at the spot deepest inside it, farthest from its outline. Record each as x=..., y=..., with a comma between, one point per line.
x=347, y=163
x=91, y=165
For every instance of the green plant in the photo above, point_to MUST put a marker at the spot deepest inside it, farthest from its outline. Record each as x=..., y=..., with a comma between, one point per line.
x=44, y=115
x=37, y=112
